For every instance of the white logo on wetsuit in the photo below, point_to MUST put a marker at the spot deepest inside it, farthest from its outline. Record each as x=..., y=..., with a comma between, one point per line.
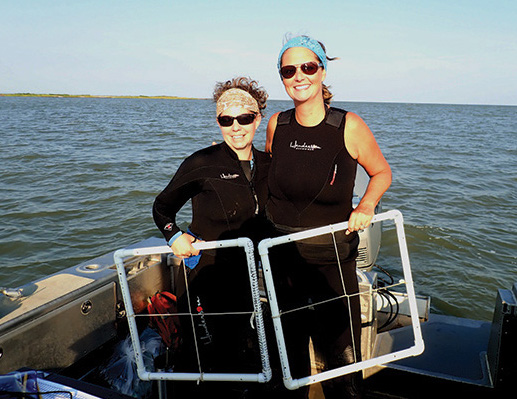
x=228, y=176
x=207, y=338
x=304, y=146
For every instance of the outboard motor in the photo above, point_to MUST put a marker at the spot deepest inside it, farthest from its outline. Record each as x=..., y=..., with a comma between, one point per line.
x=369, y=238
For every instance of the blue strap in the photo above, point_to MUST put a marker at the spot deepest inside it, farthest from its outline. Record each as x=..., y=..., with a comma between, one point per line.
x=174, y=237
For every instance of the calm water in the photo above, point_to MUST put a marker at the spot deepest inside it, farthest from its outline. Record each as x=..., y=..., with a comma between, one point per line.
x=78, y=178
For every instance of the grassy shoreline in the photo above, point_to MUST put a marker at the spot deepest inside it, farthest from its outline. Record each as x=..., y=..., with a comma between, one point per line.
x=94, y=96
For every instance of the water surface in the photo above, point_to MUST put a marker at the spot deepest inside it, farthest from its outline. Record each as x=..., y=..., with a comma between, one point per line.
x=79, y=175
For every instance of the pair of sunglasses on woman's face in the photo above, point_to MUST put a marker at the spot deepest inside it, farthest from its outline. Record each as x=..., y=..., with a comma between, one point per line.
x=308, y=68
x=243, y=119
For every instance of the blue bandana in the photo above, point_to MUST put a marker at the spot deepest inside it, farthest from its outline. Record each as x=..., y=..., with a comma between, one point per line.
x=307, y=42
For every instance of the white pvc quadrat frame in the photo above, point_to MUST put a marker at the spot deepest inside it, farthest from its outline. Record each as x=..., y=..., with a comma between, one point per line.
x=414, y=350
x=147, y=375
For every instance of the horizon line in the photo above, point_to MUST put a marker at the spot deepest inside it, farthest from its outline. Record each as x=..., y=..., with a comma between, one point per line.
x=169, y=97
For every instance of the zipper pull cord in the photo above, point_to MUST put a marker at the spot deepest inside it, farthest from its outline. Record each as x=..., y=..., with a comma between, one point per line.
x=334, y=175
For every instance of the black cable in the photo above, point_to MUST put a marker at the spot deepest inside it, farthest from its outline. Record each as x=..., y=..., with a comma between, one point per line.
x=383, y=292
x=386, y=273
x=388, y=296
x=397, y=307
x=392, y=315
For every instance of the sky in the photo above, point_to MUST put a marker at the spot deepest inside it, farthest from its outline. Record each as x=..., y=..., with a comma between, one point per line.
x=434, y=51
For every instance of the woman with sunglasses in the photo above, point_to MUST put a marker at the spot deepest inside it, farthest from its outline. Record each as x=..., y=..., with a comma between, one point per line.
x=315, y=151
x=227, y=184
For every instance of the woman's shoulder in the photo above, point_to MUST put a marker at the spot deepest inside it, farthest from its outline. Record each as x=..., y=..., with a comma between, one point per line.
x=270, y=131
x=205, y=156
x=274, y=118
x=281, y=115
x=353, y=120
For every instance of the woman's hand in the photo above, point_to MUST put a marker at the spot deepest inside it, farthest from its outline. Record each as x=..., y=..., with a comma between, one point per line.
x=360, y=218
x=182, y=246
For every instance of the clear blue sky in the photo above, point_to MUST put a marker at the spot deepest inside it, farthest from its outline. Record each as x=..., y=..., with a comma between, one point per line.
x=461, y=51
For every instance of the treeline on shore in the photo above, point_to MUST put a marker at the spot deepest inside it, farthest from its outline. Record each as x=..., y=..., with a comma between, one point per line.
x=91, y=96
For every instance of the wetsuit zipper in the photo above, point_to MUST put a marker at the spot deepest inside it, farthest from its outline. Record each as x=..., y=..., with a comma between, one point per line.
x=252, y=187
x=254, y=197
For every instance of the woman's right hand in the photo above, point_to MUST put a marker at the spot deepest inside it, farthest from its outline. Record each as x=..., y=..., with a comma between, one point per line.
x=182, y=246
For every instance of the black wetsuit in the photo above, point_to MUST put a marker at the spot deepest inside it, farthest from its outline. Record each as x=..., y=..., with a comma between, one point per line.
x=225, y=204
x=311, y=183
x=312, y=174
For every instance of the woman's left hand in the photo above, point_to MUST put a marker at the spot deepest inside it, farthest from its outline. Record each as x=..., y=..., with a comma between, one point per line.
x=360, y=218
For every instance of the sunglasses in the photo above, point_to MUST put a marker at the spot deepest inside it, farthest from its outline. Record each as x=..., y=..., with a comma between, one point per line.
x=308, y=68
x=243, y=119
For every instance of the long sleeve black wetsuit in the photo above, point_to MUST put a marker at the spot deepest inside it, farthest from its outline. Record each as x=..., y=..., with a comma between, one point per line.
x=225, y=204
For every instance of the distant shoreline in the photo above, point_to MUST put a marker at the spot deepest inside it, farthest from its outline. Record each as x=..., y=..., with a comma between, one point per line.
x=96, y=96
x=270, y=99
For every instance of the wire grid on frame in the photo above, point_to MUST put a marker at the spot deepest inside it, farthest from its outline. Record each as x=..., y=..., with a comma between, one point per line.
x=147, y=375
x=413, y=350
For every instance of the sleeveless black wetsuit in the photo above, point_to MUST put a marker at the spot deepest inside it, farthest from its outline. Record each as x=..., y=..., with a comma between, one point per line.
x=227, y=202
x=311, y=183
x=312, y=175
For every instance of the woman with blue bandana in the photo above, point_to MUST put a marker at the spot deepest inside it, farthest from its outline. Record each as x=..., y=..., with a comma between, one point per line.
x=315, y=151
